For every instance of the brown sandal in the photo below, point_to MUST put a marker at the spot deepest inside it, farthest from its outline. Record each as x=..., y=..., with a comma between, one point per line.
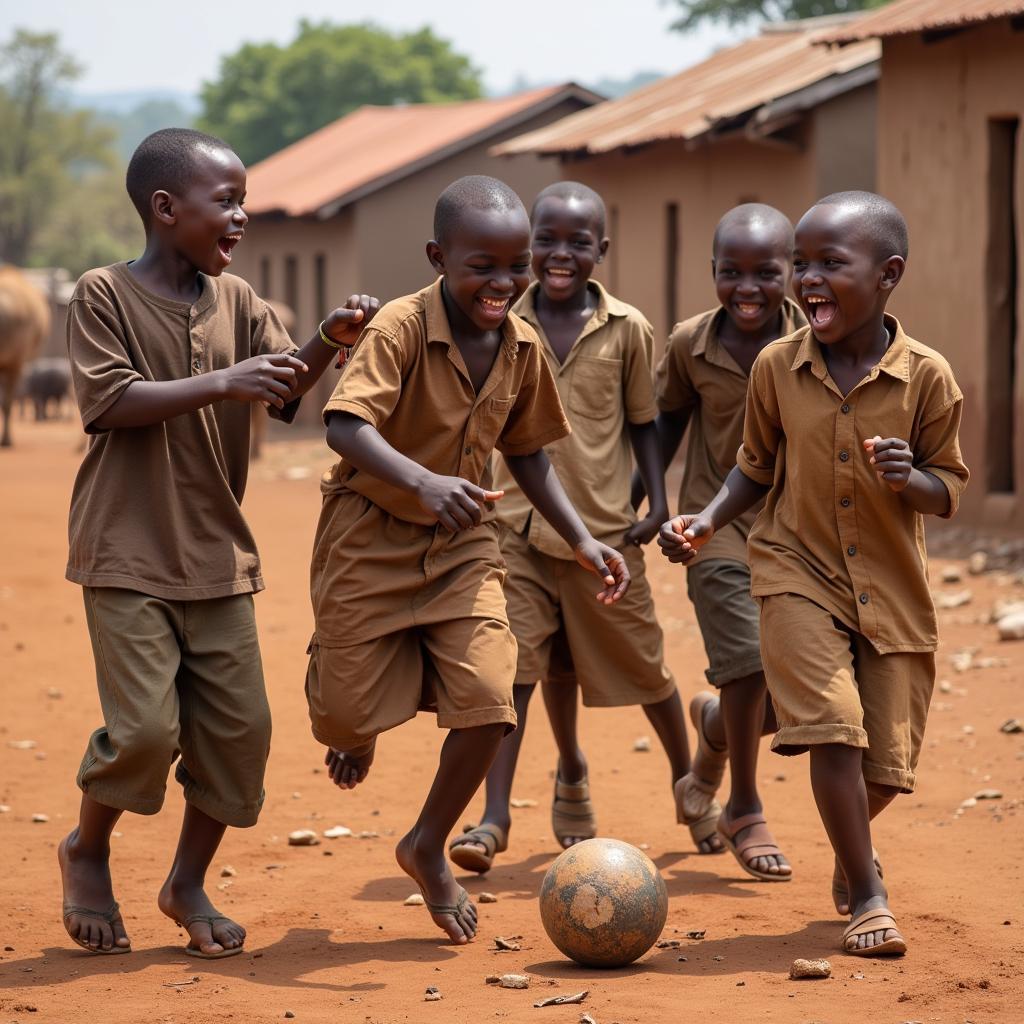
x=880, y=920
x=702, y=823
x=491, y=837
x=572, y=813
x=708, y=763
x=751, y=846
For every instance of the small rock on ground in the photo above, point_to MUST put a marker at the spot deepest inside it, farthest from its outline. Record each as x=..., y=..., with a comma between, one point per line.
x=810, y=969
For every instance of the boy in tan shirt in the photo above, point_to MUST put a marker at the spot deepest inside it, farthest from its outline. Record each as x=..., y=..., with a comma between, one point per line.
x=407, y=573
x=701, y=383
x=167, y=358
x=598, y=350
x=851, y=432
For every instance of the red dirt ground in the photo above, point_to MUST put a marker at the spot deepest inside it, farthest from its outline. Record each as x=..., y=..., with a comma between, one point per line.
x=329, y=939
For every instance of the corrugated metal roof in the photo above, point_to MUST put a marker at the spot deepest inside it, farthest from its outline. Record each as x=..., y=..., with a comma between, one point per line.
x=907, y=16
x=374, y=146
x=727, y=85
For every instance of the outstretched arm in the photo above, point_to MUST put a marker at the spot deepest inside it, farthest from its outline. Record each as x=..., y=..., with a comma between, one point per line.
x=535, y=474
x=343, y=326
x=682, y=536
x=455, y=503
x=645, y=439
x=670, y=427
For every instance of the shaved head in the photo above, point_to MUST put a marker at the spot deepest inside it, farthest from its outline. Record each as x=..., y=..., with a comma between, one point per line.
x=573, y=190
x=473, y=192
x=880, y=220
x=759, y=221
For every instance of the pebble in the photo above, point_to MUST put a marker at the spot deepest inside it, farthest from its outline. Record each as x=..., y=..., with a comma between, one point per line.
x=53, y=693
x=509, y=945
x=432, y=995
x=977, y=563
x=518, y=803
x=697, y=933
x=668, y=944
x=6, y=808
x=22, y=744
x=368, y=835
x=1011, y=627
x=288, y=1014
x=585, y=1018
x=40, y=819
x=951, y=574
x=810, y=969
x=1010, y=726
x=642, y=744
x=487, y=897
x=970, y=802
x=415, y=900
x=988, y=794
x=945, y=686
x=338, y=832
x=514, y=981
x=302, y=837
x=228, y=871
x=957, y=599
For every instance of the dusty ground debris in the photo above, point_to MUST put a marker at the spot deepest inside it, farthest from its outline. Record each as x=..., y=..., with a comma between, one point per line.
x=514, y=981
x=576, y=997
x=810, y=969
x=303, y=837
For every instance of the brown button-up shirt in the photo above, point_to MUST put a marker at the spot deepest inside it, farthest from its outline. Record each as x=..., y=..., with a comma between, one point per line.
x=604, y=384
x=157, y=509
x=407, y=378
x=698, y=379
x=831, y=530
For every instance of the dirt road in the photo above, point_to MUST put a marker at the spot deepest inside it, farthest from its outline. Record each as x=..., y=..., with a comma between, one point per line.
x=329, y=939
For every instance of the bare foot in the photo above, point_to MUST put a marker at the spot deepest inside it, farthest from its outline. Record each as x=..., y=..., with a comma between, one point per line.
x=347, y=768
x=430, y=871
x=757, y=837
x=91, y=916
x=210, y=933
x=877, y=935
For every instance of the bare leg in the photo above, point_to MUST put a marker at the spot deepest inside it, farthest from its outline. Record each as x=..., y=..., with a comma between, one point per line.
x=466, y=757
x=183, y=896
x=842, y=798
x=879, y=797
x=84, y=857
x=562, y=703
x=741, y=717
x=503, y=770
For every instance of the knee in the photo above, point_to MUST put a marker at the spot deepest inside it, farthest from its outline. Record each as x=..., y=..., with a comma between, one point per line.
x=153, y=741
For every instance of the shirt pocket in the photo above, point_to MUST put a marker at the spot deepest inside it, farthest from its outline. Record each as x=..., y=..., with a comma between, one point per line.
x=494, y=414
x=596, y=387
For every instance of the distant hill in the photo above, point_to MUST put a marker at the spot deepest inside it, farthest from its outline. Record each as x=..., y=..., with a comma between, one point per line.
x=134, y=115
x=124, y=102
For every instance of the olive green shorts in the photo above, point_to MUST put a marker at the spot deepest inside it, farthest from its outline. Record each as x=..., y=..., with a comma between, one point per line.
x=728, y=618
x=177, y=679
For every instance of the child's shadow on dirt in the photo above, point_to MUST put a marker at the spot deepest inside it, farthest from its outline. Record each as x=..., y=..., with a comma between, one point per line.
x=300, y=952
x=740, y=954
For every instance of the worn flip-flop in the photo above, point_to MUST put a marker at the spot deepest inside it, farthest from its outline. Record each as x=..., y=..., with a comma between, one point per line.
x=875, y=921
x=195, y=951
x=108, y=916
x=492, y=838
x=751, y=846
x=840, y=894
x=572, y=813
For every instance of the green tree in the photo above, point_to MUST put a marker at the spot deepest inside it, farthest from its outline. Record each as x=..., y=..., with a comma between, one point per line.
x=46, y=149
x=268, y=96
x=738, y=12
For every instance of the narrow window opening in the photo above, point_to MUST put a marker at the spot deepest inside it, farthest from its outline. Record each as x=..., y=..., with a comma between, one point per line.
x=671, y=263
x=1001, y=276
x=291, y=283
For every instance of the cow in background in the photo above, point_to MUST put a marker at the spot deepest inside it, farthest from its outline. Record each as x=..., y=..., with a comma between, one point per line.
x=24, y=323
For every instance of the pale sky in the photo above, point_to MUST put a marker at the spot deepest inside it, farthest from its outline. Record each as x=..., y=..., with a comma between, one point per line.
x=135, y=44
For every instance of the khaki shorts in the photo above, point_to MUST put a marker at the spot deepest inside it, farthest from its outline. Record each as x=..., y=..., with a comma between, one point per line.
x=829, y=685
x=616, y=651
x=728, y=616
x=177, y=678
x=408, y=618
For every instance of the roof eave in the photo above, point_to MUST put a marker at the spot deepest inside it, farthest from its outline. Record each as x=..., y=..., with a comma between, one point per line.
x=571, y=91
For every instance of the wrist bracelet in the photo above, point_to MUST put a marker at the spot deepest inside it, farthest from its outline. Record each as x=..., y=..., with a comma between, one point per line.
x=327, y=339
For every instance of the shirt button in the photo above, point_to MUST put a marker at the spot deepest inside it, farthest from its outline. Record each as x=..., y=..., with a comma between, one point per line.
x=845, y=502
x=863, y=598
x=844, y=456
x=851, y=550
x=845, y=407
x=468, y=450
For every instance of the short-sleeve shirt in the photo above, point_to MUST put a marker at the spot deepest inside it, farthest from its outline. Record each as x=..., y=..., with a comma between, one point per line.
x=157, y=509
x=831, y=530
x=407, y=378
x=604, y=384
x=698, y=379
